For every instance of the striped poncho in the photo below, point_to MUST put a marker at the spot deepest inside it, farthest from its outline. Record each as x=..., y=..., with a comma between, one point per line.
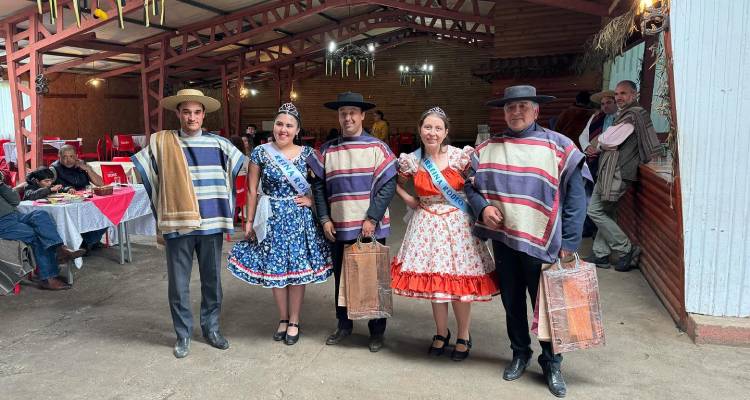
x=213, y=164
x=524, y=175
x=354, y=169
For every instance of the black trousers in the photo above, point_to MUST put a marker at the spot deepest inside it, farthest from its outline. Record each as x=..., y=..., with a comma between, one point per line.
x=180, y=252
x=518, y=273
x=376, y=326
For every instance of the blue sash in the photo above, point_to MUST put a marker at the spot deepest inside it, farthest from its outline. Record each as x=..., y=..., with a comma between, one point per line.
x=291, y=173
x=453, y=197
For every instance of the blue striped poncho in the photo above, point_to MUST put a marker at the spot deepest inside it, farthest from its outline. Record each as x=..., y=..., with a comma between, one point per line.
x=213, y=163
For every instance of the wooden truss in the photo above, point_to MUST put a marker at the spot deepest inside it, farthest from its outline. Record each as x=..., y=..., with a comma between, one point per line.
x=198, y=45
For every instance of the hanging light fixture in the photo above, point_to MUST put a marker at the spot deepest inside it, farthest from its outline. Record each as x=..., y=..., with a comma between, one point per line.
x=411, y=74
x=361, y=59
x=654, y=16
x=351, y=55
x=94, y=82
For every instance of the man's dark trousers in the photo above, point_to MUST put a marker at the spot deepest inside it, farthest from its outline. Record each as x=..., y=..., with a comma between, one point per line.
x=179, y=266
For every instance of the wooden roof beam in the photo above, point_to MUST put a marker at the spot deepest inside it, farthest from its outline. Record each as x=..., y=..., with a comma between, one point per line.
x=581, y=6
x=63, y=33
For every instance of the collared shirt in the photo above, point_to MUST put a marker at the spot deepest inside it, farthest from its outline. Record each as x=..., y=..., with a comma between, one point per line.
x=615, y=135
x=584, y=138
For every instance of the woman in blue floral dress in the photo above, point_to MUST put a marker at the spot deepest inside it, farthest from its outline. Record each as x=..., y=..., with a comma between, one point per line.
x=285, y=248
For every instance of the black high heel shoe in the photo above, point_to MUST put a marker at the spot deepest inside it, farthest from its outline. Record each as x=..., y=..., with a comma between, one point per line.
x=461, y=355
x=438, y=351
x=281, y=335
x=290, y=340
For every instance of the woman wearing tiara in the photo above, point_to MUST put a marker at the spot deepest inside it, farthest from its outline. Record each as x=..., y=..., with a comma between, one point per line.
x=285, y=248
x=440, y=260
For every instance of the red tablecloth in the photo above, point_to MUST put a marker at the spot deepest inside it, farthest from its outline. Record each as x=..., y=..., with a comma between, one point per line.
x=114, y=206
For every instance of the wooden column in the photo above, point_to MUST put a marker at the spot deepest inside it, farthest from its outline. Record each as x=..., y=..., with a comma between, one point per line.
x=648, y=72
x=22, y=72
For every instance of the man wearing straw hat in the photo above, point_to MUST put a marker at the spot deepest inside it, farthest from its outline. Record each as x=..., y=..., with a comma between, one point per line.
x=189, y=175
x=355, y=182
x=588, y=139
x=526, y=189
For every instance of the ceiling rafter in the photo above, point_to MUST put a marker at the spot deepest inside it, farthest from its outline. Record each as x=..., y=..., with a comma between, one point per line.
x=581, y=6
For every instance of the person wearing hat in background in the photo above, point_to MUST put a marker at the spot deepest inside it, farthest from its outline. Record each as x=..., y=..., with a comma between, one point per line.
x=571, y=121
x=189, y=175
x=355, y=181
x=526, y=189
x=624, y=146
x=597, y=124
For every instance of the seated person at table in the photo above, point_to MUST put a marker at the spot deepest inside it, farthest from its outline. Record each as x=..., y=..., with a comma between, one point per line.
x=38, y=230
x=74, y=174
x=39, y=184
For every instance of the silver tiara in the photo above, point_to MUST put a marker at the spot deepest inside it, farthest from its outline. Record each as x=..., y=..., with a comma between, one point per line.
x=437, y=110
x=289, y=108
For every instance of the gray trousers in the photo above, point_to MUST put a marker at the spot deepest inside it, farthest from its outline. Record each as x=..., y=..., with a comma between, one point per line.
x=179, y=266
x=609, y=236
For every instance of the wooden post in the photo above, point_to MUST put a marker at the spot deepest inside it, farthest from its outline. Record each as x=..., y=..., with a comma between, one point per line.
x=22, y=72
x=648, y=72
x=225, y=98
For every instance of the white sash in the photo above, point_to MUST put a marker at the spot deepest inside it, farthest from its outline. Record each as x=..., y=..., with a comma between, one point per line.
x=450, y=194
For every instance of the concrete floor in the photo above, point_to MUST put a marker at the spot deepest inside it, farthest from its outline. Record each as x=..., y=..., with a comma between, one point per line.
x=111, y=338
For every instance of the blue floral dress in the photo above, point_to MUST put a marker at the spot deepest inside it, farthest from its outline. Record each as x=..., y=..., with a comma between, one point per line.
x=294, y=251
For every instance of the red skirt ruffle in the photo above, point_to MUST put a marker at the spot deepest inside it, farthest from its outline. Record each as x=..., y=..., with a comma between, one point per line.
x=443, y=287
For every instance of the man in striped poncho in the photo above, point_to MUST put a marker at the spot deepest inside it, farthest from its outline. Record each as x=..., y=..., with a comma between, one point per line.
x=355, y=182
x=527, y=192
x=189, y=176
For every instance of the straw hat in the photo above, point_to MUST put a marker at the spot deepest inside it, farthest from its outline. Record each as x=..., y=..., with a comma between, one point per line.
x=171, y=102
x=597, y=97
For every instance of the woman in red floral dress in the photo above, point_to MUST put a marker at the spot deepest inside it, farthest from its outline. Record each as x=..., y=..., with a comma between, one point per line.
x=440, y=260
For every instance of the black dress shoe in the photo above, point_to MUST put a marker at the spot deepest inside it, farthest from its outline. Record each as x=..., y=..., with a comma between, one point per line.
x=601, y=262
x=215, y=339
x=182, y=347
x=337, y=336
x=461, y=355
x=636, y=258
x=624, y=264
x=280, y=335
x=555, y=381
x=438, y=351
x=290, y=340
x=376, y=343
x=515, y=369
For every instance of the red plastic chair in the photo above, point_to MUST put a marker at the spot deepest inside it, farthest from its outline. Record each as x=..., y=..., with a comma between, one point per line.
x=406, y=139
x=240, y=200
x=125, y=144
x=393, y=144
x=2, y=148
x=79, y=151
x=104, y=148
x=121, y=159
x=110, y=172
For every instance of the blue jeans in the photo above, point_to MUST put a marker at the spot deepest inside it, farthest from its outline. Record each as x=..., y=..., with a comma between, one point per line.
x=38, y=230
x=93, y=237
